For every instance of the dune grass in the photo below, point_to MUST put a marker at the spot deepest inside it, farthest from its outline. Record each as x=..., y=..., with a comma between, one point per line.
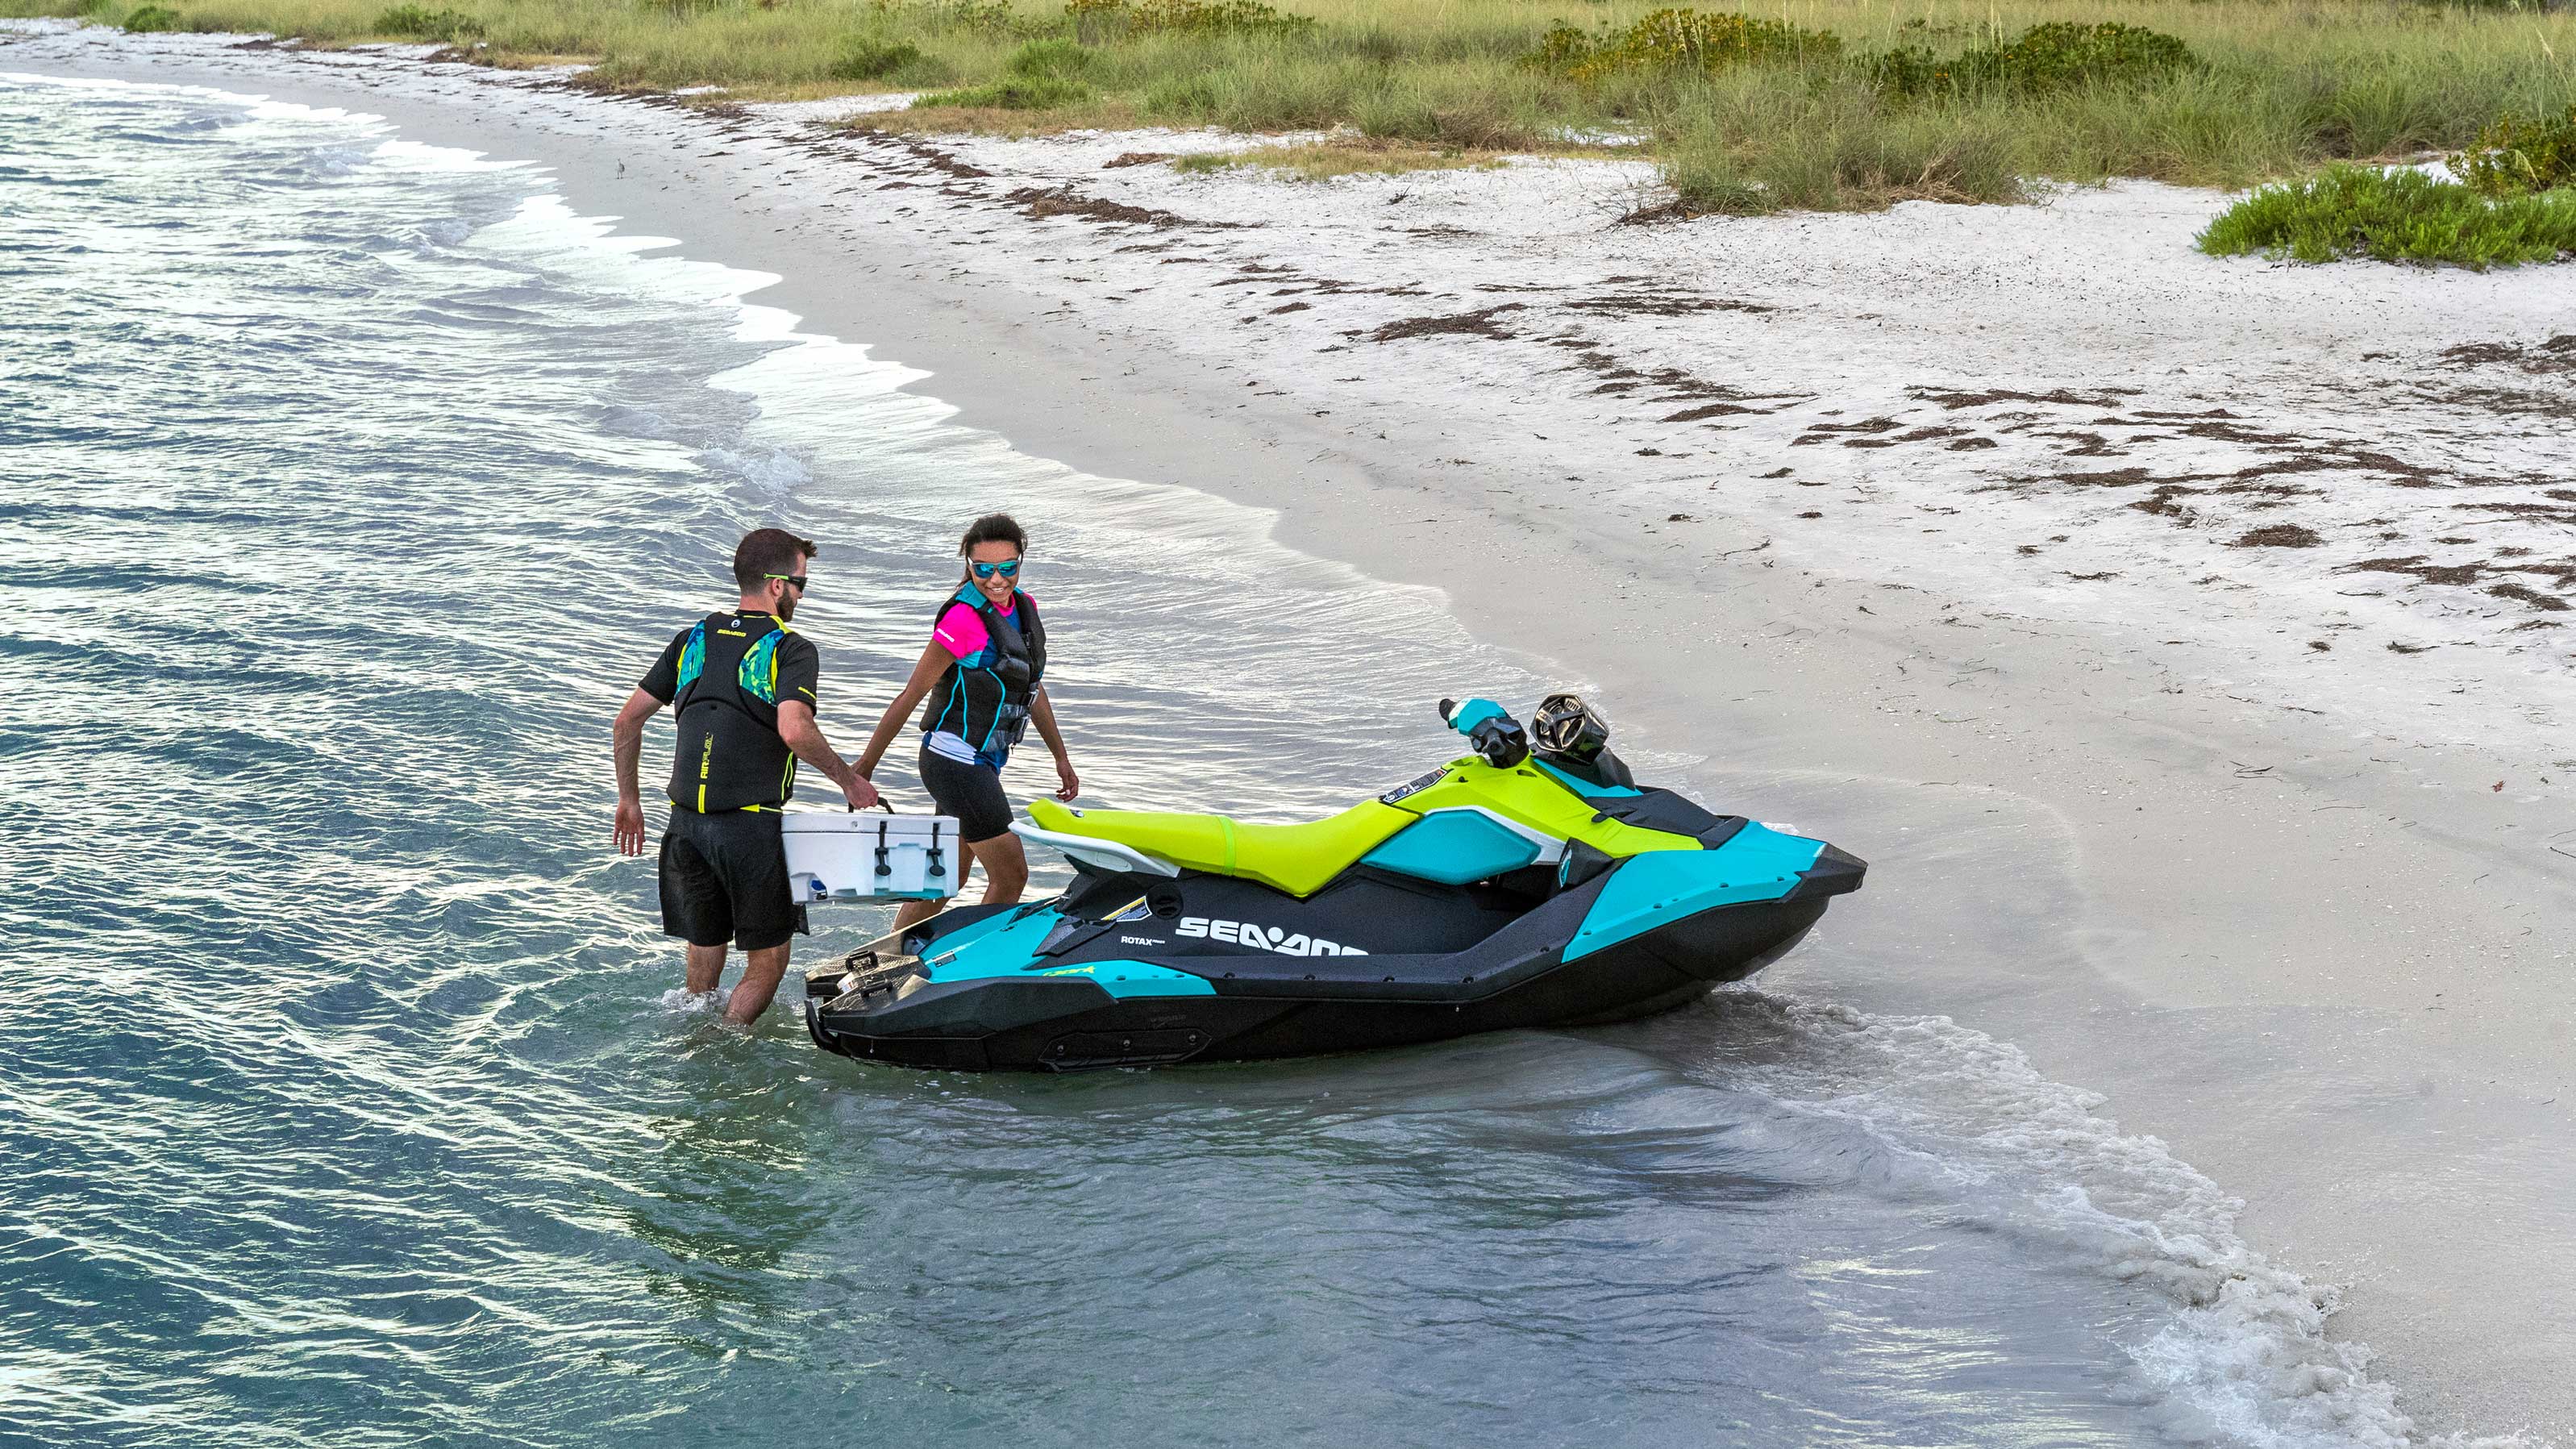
x=2270, y=89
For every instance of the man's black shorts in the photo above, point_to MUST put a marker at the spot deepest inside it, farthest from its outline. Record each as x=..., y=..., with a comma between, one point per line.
x=972, y=793
x=724, y=877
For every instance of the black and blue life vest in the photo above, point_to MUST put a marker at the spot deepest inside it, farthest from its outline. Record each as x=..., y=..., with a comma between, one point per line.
x=729, y=755
x=983, y=699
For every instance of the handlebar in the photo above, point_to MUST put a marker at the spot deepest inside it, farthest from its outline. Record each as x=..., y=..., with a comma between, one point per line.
x=1490, y=729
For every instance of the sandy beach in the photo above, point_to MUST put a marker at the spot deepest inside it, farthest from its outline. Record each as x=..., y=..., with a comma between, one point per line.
x=2181, y=640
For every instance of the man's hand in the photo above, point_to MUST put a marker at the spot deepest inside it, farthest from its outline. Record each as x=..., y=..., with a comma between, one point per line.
x=630, y=828
x=861, y=794
x=1069, y=783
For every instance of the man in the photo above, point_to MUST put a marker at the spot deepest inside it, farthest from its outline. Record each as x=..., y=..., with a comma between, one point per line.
x=743, y=683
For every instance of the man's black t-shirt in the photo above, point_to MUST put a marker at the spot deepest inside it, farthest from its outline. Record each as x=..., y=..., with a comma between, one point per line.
x=729, y=755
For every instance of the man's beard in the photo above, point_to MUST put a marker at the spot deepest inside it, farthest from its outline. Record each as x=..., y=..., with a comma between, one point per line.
x=786, y=605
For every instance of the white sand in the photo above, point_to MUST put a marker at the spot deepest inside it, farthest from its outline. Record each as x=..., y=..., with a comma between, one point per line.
x=2269, y=898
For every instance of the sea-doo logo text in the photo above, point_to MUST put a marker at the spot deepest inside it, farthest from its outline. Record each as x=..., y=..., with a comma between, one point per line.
x=1263, y=938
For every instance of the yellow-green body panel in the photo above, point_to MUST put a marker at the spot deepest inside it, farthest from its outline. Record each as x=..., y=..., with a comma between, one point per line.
x=1298, y=859
x=1525, y=796
x=1303, y=859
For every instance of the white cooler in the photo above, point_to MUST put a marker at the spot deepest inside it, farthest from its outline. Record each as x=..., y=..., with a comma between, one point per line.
x=834, y=856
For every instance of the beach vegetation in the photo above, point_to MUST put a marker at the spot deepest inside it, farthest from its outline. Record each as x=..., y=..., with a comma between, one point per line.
x=2400, y=214
x=2513, y=157
x=994, y=18
x=1055, y=58
x=1678, y=40
x=1861, y=151
x=1099, y=21
x=421, y=23
x=1011, y=93
x=1325, y=160
x=1830, y=104
x=867, y=58
x=2052, y=56
x=152, y=19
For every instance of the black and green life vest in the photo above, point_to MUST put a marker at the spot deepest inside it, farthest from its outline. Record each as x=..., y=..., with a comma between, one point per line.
x=730, y=756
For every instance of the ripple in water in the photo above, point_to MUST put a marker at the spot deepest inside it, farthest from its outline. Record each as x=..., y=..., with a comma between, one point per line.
x=350, y=484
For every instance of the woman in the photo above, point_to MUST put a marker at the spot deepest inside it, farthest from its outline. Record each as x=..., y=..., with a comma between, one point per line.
x=984, y=676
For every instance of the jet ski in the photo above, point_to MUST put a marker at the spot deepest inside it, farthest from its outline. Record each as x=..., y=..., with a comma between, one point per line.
x=1515, y=886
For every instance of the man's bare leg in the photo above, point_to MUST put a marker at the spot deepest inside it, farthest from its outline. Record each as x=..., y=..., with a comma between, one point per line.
x=761, y=972
x=706, y=967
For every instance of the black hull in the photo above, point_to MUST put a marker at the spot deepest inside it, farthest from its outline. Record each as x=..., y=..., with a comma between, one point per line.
x=1270, y=1007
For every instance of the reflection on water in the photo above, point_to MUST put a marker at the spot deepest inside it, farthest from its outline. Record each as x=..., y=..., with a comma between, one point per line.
x=349, y=485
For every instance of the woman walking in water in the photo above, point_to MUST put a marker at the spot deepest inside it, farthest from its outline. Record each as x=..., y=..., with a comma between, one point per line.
x=983, y=674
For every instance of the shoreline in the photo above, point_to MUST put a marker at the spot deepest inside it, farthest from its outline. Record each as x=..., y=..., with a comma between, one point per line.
x=2328, y=1083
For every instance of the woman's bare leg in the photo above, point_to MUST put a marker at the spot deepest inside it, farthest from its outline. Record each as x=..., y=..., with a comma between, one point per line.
x=913, y=913
x=1006, y=868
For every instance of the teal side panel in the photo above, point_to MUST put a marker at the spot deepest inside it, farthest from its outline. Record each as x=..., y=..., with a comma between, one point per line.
x=989, y=951
x=1649, y=890
x=1581, y=786
x=995, y=946
x=1123, y=979
x=1453, y=847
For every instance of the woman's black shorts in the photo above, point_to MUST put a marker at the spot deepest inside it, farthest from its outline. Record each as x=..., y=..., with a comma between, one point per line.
x=972, y=793
x=724, y=878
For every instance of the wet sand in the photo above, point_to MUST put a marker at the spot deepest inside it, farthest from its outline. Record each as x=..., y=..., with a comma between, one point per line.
x=2267, y=898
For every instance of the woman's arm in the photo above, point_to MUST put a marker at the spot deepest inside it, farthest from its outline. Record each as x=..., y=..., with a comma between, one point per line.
x=1042, y=710
x=934, y=662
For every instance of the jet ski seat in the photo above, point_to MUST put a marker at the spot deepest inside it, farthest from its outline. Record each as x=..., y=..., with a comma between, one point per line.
x=1298, y=859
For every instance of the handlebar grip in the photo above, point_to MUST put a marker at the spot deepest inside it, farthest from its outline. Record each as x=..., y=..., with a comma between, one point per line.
x=1448, y=707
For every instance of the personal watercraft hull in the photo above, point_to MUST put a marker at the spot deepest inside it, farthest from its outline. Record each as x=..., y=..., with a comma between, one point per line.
x=1131, y=970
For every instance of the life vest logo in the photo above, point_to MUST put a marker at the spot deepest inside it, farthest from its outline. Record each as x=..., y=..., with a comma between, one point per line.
x=1276, y=939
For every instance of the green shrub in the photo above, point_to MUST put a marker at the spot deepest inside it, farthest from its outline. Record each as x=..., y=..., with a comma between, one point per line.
x=2513, y=157
x=1056, y=59
x=1676, y=40
x=426, y=24
x=2394, y=216
x=864, y=59
x=1019, y=93
x=1097, y=20
x=151, y=19
x=2048, y=57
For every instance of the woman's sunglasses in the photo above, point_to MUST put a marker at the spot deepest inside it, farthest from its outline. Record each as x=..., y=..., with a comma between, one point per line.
x=1009, y=570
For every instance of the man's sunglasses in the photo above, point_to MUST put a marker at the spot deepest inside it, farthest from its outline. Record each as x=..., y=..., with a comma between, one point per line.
x=797, y=579
x=1009, y=570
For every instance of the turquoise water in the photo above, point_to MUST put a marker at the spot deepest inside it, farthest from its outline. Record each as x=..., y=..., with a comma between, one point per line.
x=346, y=1094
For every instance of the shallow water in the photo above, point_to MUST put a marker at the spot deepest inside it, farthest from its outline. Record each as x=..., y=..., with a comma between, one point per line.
x=347, y=487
